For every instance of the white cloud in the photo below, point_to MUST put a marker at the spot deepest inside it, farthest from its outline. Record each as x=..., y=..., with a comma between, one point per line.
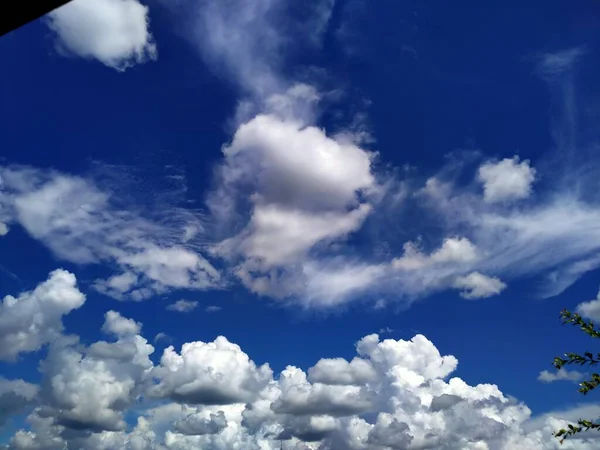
x=505, y=180
x=34, y=318
x=299, y=166
x=82, y=223
x=116, y=324
x=214, y=373
x=477, y=285
x=277, y=236
x=339, y=371
x=212, y=309
x=115, y=32
x=183, y=306
x=89, y=388
x=591, y=309
x=307, y=191
x=452, y=251
x=560, y=375
x=394, y=394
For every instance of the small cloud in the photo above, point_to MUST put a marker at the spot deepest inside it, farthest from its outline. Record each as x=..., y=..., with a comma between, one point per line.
x=477, y=285
x=386, y=330
x=183, y=306
x=380, y=304
x=213, y=309
x=115, y=33
x=509, y=179
x=162, y=337
x=591, y=309
x=561, y=375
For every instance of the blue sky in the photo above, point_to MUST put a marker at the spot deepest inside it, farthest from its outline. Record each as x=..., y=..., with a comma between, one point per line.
x=297, y=179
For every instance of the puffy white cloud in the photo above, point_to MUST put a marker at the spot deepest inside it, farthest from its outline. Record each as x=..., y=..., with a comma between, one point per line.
x=300, y=398
x=452, y=251
x=183, y=306
x=82, y=223
x=560, y=375
x=477, y=285
x=339, y=371
x=394, y=394
x=300, y=165
x=308, y=191
x=509, y=179
x=34, y=318
x=115, y=32
x=213, y=373
x=115, y=323
x=591, y=309
x=89, y=388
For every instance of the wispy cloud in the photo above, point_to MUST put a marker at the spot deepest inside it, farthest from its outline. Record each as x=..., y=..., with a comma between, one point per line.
x=85, y=222
x=560, y=375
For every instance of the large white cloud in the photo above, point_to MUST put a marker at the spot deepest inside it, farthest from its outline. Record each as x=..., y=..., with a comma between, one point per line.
x=34, y=318
x=115, y=32
x=303, y=190
x=394, y=394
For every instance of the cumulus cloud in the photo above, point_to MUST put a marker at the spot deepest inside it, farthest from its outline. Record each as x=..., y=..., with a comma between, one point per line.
x=477, y=285
x=504, y=180
x=214, y=373
x=115, y=323
x=452, y=250
x=393, y=394
x=83, y=223
x=114, y=32
x=89, y=388
x=183, y=306
x=560, y=375
x=308, y=189
x=34, y=318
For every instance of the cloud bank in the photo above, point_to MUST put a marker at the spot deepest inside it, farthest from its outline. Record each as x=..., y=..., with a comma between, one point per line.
x=394, y=394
